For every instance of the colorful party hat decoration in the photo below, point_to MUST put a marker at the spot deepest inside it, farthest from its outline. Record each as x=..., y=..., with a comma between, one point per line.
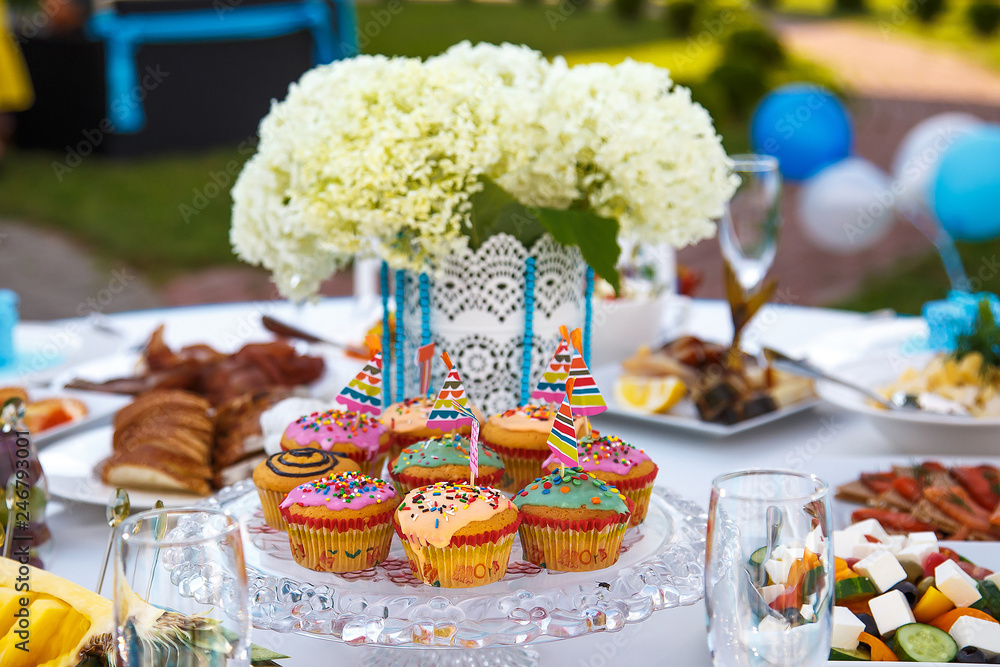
x=587, y=398
x=562, y=438
x=552, y=385
x=364, y=392
x=425, y=356
x=443, y=415
x=473, y=440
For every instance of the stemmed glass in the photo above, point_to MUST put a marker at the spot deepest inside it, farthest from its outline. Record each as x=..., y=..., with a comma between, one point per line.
x=181, y=590
x=769, y=575
x=751, y=224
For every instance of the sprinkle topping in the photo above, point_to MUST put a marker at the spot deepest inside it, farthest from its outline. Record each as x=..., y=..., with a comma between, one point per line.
x=325, y=429
x=450, y=449
x=577, y=489
x=432, y=514
x=606, y=454
x=346, y=490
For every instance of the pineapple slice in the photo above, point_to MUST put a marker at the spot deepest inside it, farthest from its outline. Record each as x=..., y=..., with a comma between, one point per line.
x=45, y=619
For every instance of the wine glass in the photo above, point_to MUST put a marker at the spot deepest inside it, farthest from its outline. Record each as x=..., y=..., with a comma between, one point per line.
x=752, y=220
x=181, y=590
x=768, y=574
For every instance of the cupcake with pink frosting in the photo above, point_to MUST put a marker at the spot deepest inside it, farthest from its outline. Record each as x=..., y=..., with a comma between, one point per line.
x=617, y=464
x=356, y=435
x=340, y=523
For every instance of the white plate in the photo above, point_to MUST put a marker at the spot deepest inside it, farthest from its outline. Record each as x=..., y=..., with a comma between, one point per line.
x=69, y=469
x=874, y=353
x=45, y=350
x=100, y=409
x=684, y=415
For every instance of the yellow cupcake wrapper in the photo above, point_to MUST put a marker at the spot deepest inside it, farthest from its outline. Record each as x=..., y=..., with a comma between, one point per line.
x=269, y=502
x=555, y=548
x=463, y=566
x=640, y=498
x=348, y=551
x=520, y=471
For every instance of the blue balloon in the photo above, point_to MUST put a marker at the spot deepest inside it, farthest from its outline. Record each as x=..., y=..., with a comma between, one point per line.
x=805, y=126
x=965, y=191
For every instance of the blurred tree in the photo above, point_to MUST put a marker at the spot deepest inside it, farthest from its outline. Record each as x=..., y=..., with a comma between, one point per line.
x=984, y=16
x=630, y=10
x=929, y=10
x=681, y=15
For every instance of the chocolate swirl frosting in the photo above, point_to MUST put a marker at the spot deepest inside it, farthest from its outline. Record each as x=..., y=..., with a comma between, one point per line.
x=302, y=462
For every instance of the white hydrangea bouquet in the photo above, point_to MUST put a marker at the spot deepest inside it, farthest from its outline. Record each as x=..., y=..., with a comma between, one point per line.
x=412, y=161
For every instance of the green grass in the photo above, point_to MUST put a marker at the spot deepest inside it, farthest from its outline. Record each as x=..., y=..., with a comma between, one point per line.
x=425, y=29
x=910, y=284
x=127, y=210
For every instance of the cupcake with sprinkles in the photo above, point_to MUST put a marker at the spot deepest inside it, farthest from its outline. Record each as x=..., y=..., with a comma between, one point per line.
x=406, y=422
x=520, y=437
x=618, y=464
x=457, y=535
x=571, y=521
x=278, y=474
x=340, y=523
x=356, y=435
x=443, y=460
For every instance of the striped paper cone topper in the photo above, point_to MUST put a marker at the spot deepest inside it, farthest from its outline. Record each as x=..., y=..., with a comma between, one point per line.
x=552, y=385
x=473, y=440
x=364, y=392
x=562, y=438
x=443, y=415
x=587, y=399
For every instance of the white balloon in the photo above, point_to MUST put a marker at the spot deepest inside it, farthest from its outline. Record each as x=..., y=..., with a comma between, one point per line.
x=847, y=207
x=921, y=150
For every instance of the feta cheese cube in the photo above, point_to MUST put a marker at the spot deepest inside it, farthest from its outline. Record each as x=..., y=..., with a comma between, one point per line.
x=957, y=586
x=807, y=612
x=866, y=549
x=844, y=543
x=846, y=629
x=772, y=624
x=777, y=570
x=995, y=578
x=891, y=611
x=922, y=537
x=896, y=542
x=792, y=554
x=916, y=553
x=816, y=542
x=883, y=569
x=984, y=635
x=771, y=593
x=869, y=527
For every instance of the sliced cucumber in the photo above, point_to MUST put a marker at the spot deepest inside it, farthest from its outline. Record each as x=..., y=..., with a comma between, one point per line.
x=757, y=557
x=855, y=588
x=860, y=654
x=916, y=642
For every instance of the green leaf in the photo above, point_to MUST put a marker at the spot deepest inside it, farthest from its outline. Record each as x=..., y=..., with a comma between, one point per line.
x=494, y=211
x=261, y=657
x=595, y=236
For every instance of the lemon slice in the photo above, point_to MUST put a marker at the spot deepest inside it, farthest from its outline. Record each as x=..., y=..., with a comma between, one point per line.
x=649, y=394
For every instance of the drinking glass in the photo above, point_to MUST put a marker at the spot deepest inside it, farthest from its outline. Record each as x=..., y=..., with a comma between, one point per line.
x=181, y=590
x=752, y=623
x=751, y=222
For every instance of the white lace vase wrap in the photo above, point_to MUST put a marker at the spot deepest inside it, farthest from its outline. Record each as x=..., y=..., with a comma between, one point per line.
x=477, y=315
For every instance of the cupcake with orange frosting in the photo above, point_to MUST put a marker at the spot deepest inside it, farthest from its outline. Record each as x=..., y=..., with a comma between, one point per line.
x=340, y=523
x=278, y=474
x=618, y=464
x=520, y=436
x=571, y=521
x=444, y=459
x=358, y=436
x=406, y=422
x=457, y=535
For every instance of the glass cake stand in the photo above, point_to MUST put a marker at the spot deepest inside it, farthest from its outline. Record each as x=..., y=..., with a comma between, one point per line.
x=661, y=567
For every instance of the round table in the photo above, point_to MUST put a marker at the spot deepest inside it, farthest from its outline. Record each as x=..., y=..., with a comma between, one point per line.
x=687, y=462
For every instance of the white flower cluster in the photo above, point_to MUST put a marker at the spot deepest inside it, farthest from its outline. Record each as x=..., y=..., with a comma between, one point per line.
x=380, y=156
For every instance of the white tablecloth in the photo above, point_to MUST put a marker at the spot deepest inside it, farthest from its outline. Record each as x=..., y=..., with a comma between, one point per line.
x=687, y=463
